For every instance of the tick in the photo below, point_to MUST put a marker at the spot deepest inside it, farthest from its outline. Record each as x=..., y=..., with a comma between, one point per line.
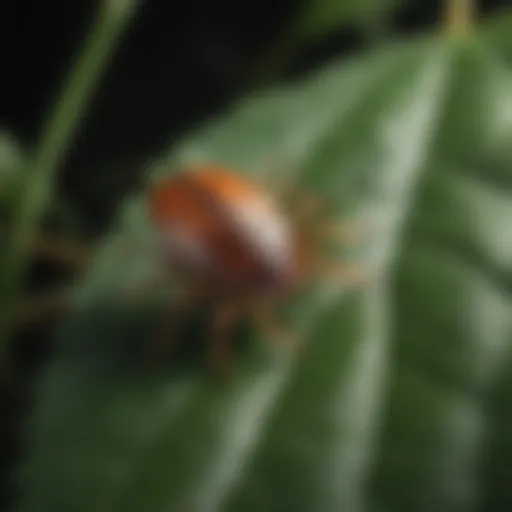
x=242, y=244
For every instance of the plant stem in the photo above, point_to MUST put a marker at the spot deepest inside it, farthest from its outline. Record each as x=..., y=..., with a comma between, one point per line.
x=57, y=133
x=459, y=17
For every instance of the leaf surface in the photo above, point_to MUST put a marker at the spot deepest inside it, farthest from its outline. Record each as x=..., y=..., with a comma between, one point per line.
x=397, y=399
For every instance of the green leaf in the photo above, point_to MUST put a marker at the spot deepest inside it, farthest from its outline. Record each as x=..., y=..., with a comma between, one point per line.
x=399, y=399
x=497, y=33
x=315, y=20
x=11, y=170
x=320, y=17
x=497, y=28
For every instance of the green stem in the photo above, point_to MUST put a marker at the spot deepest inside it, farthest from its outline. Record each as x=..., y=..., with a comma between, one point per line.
x=459, y=17
x=57, y=134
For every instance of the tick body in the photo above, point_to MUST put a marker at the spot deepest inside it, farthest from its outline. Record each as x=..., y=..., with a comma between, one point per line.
x=239, y=243
x=225, y=229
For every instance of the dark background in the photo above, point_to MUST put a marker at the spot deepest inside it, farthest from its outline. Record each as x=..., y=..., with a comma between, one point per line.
x=180, y=63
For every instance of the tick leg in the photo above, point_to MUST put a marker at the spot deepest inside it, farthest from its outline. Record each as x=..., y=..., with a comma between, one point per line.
x=167, y=334
x=276, y=176
x=141, y=287
x=352, y=275
x=346, y=232
x=270, y=327
x=309, y=204
x=62, y=251
x=44, y=306
x=224, y=320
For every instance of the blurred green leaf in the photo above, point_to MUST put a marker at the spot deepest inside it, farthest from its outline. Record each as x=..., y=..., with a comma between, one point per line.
x=398, y=400
x=316, y=19
x=319, y=17
x=498, y=32
x=11, y=170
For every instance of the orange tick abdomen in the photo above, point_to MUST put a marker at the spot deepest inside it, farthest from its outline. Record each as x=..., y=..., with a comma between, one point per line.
x=224, y=225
